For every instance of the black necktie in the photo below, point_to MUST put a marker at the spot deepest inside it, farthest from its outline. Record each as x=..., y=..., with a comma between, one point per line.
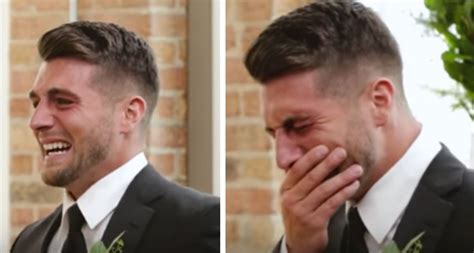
x=353, y=237
x=75, y=242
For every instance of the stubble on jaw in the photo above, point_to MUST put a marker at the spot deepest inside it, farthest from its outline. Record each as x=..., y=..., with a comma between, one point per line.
x=95, y=149
x=361, y=149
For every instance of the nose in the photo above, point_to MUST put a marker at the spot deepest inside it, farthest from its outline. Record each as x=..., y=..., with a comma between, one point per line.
x=41, y=118
x=287, y=150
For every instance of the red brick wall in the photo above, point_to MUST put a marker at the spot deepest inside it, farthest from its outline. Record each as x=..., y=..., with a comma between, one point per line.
x=162, y=23
x=253, y=222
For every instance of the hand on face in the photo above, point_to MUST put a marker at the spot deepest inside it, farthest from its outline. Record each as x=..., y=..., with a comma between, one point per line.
x=309, y=198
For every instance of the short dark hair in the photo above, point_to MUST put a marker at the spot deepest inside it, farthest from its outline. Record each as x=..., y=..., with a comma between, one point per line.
x=123, y=57
x=340, y=36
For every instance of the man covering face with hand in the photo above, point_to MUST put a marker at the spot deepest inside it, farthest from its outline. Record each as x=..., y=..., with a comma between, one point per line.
x=361, y=171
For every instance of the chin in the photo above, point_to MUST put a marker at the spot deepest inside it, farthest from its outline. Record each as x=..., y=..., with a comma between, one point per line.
x=57, y=177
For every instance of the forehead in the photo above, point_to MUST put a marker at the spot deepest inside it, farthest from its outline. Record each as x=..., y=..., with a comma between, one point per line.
x=296, y=96
x=298, y=84
x=64, y=73
x=290, y=93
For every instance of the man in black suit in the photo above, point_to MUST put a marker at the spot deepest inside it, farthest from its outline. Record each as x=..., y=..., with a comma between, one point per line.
x=361, y=172
x=93, y=99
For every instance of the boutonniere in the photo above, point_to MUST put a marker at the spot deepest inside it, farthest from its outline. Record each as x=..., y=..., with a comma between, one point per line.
x=414, y=246
x=115, y=247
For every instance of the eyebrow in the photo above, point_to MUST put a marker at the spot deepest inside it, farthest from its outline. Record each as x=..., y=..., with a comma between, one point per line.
x=53, y=92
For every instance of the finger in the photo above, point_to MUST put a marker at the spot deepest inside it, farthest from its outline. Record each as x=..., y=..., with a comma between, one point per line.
x=330, y=206
x=331, y=187
x=303, y=165
x=316, y=176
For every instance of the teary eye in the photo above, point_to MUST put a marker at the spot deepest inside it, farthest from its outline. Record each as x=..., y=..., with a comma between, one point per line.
x=63, y=101
x=297, y=129
x=297, y=126
x=301, y=128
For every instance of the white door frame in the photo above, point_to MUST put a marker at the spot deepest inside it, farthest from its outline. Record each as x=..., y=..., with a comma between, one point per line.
x=204, y=111
x=4, y=126
x=218, y=97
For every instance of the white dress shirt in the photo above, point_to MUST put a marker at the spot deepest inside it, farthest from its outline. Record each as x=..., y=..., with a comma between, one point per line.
x=382, y=207
x=98, y=203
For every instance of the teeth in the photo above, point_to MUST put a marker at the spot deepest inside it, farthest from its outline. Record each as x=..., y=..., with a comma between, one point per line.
x=56, y=145
x=57, y=152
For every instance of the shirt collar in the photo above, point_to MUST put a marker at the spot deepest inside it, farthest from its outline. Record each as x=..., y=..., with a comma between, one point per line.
x=103, y=196
x=383, y=204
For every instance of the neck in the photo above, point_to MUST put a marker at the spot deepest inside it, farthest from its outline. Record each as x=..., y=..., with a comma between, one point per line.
x=398, y=139
x=114, y=160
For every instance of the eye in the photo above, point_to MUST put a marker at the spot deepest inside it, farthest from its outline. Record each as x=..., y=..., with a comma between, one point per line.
x=298, y=128
x=63, y=101
x=302, y=128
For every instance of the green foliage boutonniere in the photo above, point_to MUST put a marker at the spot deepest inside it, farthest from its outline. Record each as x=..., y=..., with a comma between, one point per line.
x=414, y=246
x=115, y=247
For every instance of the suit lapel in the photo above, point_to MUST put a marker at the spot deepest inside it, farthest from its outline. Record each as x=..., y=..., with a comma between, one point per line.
x=51, y=229
x=132, y=213
x=335, y=230
x=427, y=211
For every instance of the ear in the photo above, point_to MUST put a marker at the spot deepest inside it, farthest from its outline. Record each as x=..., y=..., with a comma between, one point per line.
x=134, y=109
x=381, y=96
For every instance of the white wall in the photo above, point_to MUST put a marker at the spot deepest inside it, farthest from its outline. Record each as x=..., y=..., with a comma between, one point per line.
x=423, y=70
x=4, y=126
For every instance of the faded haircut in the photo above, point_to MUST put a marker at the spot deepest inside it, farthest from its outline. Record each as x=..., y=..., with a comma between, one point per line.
x=126, y=61
x=341, y=38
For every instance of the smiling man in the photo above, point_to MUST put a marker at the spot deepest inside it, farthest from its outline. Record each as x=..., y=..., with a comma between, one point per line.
x=360, y=169
x=93, y=98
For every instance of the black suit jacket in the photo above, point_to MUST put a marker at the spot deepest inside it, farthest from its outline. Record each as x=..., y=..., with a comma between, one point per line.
x=442, y=206
x=156, y=215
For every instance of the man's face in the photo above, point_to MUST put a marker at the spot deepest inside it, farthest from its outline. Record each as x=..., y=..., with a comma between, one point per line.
x=300, y=118
x=71, y=121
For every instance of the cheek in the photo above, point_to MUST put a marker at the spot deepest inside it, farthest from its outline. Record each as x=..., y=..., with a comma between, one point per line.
x=117, y=121
x=333, y=132
x=72, y=125
x=78, y=127
x=328, y=138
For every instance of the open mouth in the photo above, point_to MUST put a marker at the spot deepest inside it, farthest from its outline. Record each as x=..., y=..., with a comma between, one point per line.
x=56, y=148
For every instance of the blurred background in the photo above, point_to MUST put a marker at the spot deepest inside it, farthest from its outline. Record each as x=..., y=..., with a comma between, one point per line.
x=183, y=140
x=253, y=221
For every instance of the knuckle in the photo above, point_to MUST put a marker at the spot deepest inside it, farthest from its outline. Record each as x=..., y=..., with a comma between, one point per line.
x=295, y=212
x=309, y=221
x=324, y=190
x=319, y=219
x=287, y=201
x=283, y=188
x=298, y=212
x=332, y=204
x=314, y=176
